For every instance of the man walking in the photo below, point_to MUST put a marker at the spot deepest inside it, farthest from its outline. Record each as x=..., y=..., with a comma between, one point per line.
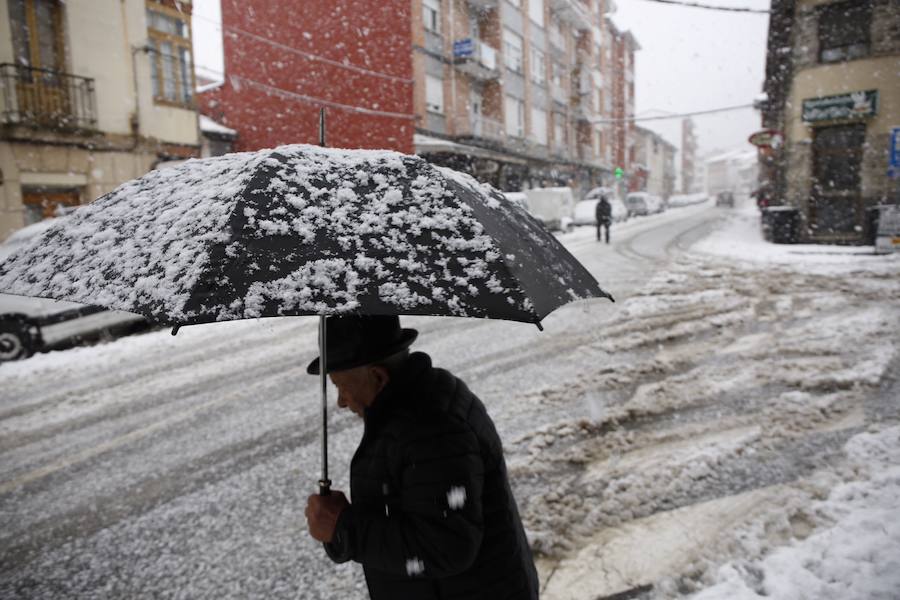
x=603, y=213
x=433, y=515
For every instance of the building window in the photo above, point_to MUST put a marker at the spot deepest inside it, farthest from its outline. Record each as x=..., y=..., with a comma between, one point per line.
x=559, y=129
x=434, y=94
x=538, y=67
x=45, y=203
x=844, y=31
x=536, y=11
x=837, y=164
x=512, y=50
x=515, y=116
x=556, y=34
x=37, y=33
x=431, y=15
x=557, y=72
x=172, y=74
x=539, y=125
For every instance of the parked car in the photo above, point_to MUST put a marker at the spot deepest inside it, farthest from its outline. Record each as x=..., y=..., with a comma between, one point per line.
x=725, y=199
x=551, y=206
x=643, y=203
x=29, y=325
x=586, y=211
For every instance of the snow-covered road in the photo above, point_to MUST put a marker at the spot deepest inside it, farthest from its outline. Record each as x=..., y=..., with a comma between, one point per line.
x=179, y=467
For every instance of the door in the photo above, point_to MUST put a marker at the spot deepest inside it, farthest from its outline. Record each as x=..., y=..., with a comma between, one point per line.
x=836, y=202
x=38, y=45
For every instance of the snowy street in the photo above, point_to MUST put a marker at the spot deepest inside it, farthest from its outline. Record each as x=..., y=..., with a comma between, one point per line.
x=690, y=438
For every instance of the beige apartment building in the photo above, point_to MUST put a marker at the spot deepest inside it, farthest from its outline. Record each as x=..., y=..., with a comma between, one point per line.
x=654, y=164
x=835, y=99
x=92, y=93
x=520, y=93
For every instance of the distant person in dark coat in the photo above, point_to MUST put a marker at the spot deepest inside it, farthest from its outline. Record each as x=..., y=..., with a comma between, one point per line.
x=433, y=515
x=603, y=212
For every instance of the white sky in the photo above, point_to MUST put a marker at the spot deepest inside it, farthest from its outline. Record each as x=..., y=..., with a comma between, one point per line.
x=695, y=59
x=690, y=59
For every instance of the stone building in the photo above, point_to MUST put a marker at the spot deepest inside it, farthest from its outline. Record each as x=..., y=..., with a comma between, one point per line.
x=833, y=91
x=520, y=93
x=92, y=93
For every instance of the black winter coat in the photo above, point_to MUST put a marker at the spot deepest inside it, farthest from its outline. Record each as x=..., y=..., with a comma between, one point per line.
x=432, y=513
x=603, y=211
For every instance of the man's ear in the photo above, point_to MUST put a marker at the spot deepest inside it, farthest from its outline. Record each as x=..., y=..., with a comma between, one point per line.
x=381, y=376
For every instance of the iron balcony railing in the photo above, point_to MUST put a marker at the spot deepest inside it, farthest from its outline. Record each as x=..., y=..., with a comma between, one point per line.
x=46, y=98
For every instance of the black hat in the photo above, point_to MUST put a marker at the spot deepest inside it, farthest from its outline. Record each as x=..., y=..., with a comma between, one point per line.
x=357, y=340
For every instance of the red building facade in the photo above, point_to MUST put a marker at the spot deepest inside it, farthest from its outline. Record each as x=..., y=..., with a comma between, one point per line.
x=285, y=60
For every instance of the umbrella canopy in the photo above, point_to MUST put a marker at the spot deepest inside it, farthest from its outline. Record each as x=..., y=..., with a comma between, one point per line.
x=302, y=230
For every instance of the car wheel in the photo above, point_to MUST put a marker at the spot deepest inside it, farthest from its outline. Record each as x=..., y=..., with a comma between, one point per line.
x=16, y=341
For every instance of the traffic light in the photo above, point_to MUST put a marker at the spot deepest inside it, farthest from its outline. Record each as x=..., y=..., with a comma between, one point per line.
x=619, y=172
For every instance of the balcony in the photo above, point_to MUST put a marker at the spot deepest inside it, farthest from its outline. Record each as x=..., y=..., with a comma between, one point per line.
x=479, y=126
x=475, y=58
x=559, y=149
x=45, y=98
x=572, y=12
x=484, y=4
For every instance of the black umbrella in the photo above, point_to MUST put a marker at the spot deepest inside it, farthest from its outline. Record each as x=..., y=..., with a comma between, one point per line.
x=302, y=230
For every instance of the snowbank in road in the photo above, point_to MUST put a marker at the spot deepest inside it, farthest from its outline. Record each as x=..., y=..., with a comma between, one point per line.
x=740, y=238
x=857, y=556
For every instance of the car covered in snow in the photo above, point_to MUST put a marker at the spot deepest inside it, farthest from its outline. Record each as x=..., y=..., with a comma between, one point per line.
x=643, y=203
x=29, y=325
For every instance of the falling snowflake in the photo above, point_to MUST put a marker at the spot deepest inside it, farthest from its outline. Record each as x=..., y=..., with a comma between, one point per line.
x=414, y=566
x=456, y=497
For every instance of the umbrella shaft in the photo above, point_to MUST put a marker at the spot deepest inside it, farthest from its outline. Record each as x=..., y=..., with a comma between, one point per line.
x=324, y=483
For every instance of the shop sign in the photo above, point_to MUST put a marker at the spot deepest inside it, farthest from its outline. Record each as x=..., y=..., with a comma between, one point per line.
x=767, y=138
x=855, y=105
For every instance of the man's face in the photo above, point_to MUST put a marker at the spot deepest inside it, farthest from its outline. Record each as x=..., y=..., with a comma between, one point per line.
x=357, y=388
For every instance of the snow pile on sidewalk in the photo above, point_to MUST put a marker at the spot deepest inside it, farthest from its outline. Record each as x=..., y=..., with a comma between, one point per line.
x=740, y=238
x=856, y=556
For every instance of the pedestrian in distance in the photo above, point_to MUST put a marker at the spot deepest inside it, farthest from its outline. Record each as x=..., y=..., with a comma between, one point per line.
x=432, y=512
x=603, y=213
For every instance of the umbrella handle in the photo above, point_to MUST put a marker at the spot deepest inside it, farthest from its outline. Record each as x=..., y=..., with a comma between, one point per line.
x=324, y=487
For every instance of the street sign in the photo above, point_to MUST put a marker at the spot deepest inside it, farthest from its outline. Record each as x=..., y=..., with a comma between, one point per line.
x=463, y=48
x=893, y=170
x=767, y=138
x=854, y=105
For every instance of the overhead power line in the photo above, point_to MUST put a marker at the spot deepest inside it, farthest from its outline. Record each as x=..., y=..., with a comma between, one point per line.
x=633, y=119
x=739, y=9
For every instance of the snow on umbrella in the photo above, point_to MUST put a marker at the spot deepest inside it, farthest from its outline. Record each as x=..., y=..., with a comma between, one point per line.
x=302, y=230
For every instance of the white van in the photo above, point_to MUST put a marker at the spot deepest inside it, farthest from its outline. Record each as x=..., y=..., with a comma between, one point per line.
x=551, y=206
x=28, y=325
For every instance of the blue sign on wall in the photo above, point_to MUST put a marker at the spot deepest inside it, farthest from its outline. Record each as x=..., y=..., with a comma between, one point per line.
x=464, y=48
x=894, y=158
